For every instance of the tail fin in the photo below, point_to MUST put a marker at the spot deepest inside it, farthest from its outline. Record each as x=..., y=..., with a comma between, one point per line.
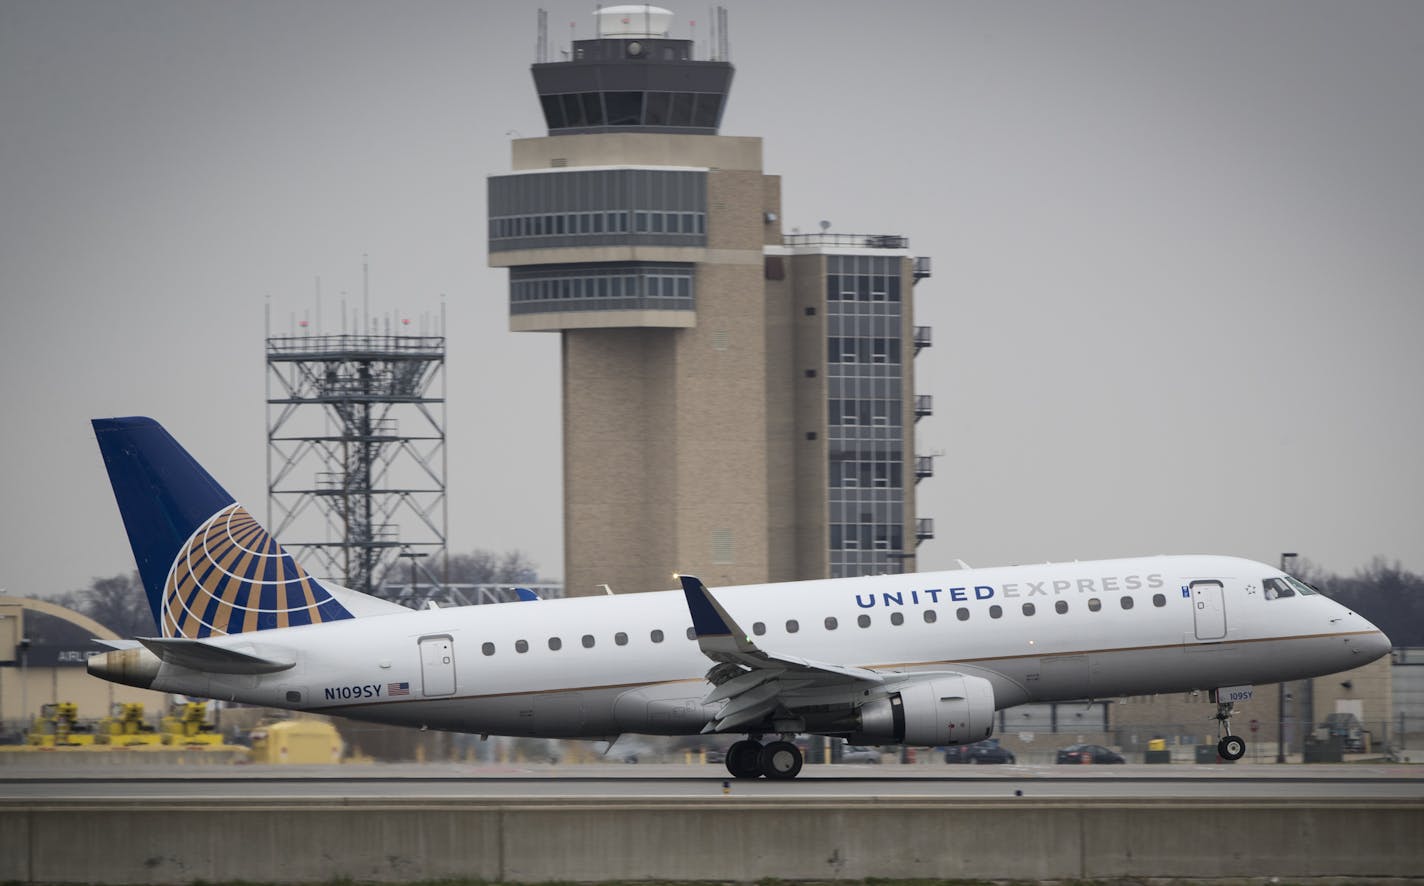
x=207, y=565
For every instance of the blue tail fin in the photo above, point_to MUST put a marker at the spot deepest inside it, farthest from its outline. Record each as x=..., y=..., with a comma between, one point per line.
x=207, y=565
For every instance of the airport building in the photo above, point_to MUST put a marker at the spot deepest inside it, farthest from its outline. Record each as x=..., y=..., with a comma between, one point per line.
x=737, y=402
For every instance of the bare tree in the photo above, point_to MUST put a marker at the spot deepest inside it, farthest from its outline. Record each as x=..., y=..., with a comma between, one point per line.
x=1386, y=593
x=119, y=603
x=486, y=567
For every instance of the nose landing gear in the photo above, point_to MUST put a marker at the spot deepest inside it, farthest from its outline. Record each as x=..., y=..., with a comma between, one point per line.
x=1229, y=747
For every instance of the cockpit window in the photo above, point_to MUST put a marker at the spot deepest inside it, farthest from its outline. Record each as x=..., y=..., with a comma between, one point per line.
x=1301, y=587
x=1285, y=586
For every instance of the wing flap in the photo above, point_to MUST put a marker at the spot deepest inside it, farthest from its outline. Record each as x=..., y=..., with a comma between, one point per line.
x=756, y=685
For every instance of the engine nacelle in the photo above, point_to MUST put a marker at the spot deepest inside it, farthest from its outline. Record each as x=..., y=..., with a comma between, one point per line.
x=940, y=710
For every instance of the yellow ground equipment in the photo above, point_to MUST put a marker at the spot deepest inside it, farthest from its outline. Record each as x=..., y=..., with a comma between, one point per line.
x=296, y=742
x=187, y=725
x=58, y=726
x=125, y=728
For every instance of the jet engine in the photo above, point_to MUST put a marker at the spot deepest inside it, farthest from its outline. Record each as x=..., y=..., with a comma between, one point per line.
x=944, y=709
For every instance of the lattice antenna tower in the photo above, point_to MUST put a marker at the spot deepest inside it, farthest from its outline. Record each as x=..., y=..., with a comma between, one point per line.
x=356, y=449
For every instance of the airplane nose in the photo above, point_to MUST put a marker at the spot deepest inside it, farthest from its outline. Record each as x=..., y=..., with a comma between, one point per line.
x=1370, y=646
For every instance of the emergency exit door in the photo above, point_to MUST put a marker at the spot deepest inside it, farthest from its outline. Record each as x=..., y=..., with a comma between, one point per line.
x=437, y=665
x=1209, y=610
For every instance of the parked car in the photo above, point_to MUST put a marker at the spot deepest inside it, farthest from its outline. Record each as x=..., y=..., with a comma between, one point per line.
x=1088, y=753
x=987, y=751
x=857, y=754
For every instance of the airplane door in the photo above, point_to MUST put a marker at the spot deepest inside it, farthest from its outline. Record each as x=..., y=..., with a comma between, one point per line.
x=1209, y=610
x=437, y=665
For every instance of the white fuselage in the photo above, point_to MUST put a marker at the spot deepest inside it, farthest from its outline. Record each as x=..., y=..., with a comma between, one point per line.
x=628, y=664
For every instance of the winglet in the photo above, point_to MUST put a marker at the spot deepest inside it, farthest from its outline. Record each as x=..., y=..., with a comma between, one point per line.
x=716, y=630
x=525, y=595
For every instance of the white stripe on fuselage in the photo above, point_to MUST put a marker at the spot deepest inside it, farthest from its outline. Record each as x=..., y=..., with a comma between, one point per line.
x=382, y=650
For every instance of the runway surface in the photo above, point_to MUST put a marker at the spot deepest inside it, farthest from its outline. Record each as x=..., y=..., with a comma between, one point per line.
x=664, y=782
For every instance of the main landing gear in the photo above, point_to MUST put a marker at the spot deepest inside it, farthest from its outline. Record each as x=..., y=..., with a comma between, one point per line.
x=749, y=758
x=1230, y=747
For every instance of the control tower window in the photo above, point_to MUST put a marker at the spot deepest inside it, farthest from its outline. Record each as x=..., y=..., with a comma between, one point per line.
x=593, y=108
x=573, y=109
x=657, y=110
x=553, y=111
x=681, y=114
x=709, y=108
x=624, y=108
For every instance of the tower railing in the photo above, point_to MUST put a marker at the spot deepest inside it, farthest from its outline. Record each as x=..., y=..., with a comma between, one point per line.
x=847, y=241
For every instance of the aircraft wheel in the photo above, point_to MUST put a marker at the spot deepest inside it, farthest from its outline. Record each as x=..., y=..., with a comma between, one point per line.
x=744, y=759
x=1231, y=747
x=781, y=759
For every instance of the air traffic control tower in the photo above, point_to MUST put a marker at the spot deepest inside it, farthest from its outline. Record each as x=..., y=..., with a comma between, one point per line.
x=713, y=384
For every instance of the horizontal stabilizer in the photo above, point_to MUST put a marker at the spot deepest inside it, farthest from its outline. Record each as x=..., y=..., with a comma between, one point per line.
x=200, y=655
x=116, y=644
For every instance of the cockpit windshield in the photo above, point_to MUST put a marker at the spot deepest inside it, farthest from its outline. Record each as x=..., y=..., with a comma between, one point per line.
x=1285, y=586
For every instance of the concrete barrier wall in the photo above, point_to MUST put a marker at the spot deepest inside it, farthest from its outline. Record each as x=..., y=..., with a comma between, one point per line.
x=723, y=839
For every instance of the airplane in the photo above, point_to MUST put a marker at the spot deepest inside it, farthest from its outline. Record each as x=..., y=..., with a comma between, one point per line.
x=919, y=659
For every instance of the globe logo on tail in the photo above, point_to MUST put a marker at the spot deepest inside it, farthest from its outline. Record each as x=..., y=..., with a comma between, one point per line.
x=232, y=577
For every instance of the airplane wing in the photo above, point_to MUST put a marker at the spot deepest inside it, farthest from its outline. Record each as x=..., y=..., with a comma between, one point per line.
x=758, y=685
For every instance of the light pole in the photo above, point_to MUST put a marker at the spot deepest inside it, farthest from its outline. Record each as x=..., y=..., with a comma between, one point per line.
x=24, y=686
x=1281, y=696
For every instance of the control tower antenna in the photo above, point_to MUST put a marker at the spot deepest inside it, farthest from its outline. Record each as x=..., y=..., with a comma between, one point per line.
x=724, y=47
x=541, y=42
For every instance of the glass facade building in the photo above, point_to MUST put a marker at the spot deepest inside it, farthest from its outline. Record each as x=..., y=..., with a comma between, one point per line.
x=866, y=433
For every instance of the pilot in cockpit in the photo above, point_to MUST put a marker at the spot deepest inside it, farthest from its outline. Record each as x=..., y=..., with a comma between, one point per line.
x=1285, y=586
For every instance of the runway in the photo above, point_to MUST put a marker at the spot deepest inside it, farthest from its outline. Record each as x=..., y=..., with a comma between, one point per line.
x=663, y=782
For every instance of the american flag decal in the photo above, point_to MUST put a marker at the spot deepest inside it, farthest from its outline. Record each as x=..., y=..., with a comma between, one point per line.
x=397, y=689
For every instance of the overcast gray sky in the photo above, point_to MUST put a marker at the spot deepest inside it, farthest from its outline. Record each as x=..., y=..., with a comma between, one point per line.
x=1178, y=251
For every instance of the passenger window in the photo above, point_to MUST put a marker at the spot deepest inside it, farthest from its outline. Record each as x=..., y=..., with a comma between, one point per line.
x=863, y=621
x=487, y=648
x=555, y=644
x=1094, y=604
x=620, y=639
x=759, y=628
x=1028, y=609
x=1126, y=602
x=897, y=618
x=588, y=641
x=792, y=626
x=963, y=614
x=996, y=611
x=656, y=636
x=1159, y=600
x=931, y=616
x=521, y=645
x=831, y=623
x=1061, y=606
x=691, y=634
